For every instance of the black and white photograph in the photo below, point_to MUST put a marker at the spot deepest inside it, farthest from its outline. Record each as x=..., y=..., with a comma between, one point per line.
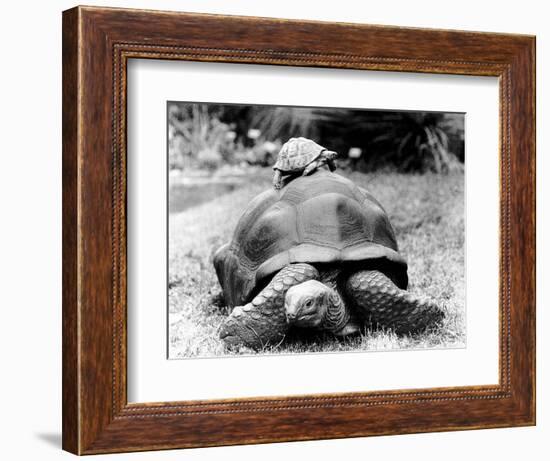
x=295, y=230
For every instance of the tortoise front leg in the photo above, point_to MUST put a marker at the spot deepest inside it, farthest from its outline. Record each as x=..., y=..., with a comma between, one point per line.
x=277, y=180
x=262, y=321
x=386, y=305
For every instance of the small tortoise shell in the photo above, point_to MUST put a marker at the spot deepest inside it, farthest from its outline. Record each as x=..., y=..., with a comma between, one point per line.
x=296, y=154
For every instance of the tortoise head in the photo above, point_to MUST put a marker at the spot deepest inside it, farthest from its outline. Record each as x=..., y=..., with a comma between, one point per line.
x=307, y=303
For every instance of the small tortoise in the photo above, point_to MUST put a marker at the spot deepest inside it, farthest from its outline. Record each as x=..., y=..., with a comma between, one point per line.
x=320, y=253
x=301, y=156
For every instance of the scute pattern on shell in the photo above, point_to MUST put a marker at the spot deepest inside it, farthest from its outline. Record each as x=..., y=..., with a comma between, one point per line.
x=296, y=154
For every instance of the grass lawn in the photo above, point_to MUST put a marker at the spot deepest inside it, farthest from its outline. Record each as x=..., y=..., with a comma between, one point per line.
x=427, y=213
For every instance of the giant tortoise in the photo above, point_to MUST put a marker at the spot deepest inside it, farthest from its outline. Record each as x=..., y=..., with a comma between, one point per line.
x=319, y=253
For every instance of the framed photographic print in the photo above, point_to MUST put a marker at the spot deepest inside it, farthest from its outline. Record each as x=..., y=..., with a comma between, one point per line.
x=282, y=230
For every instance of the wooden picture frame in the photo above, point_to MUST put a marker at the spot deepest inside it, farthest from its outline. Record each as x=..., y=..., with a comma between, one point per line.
x=97, y=43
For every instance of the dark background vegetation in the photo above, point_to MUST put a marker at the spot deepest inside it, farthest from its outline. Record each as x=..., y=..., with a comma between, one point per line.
x=207, y=136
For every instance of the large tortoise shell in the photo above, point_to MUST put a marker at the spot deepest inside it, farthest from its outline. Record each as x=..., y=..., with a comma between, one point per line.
x=296, y=154
x=322, y=218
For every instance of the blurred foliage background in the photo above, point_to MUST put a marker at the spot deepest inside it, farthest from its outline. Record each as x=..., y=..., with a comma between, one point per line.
x=206, y=137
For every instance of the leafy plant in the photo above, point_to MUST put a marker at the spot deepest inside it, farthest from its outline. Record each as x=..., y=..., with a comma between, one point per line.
x=285, y=122
x=197, y=135
x=406, y=141
x=419, y=143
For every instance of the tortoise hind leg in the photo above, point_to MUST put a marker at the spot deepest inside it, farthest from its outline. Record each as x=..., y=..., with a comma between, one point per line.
x=386, y=305
x=263, y=321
